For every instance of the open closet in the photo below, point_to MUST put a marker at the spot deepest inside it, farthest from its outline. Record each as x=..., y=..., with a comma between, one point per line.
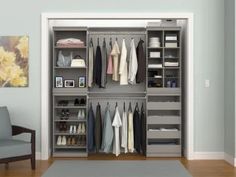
x=117, y=90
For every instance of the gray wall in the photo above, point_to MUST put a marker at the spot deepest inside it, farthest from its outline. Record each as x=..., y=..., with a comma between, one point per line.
x=229, y=77
x=23, y=17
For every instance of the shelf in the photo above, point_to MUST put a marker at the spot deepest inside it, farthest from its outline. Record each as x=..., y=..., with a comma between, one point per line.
x=155, y=47
x=69, y=147
x=171, y=47
x=171, y=67
x=164, y=149
x=165, y=120
x=56, y=67
x=69, y=153
x=70, y=91
x=69, y=134
x=163, y=106
x=163, y=91
x=70, y=120
x=155, y=57
x=70, y=107
x=163, y=134
x=72, y=47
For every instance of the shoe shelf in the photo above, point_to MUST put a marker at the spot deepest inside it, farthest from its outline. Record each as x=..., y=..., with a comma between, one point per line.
x=69, y=101
x=164, y=93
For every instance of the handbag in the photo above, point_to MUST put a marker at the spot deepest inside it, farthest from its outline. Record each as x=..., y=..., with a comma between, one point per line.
x=63, y=60
x=77, y=61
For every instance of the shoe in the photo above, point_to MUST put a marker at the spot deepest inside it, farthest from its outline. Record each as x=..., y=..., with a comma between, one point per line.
x=74, y=130
x=83, y=141
x=82, y=101
x=67, y=114
x=61, y=127
x=71, y=129
x=79, y=128
x=63, y=142
x=83, y=130
x=79, y=143
x=79, y=114
x=64, y=127
x=83, y=114
x=63, y=114
x=59, y=141
x=68, y=141
x=73, y=141
x=76, y=102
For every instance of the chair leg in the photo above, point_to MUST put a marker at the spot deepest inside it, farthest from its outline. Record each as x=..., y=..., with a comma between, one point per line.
x=6, y=165
x=33, y=163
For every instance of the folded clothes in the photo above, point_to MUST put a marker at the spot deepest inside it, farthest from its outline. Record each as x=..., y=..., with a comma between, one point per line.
x=172, y=64
x=70, y=42
x=155, y=66
x=164, y=129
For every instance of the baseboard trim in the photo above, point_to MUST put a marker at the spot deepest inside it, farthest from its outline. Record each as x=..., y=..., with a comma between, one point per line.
x=230, y=159
x=38, y=155
x=209, y=155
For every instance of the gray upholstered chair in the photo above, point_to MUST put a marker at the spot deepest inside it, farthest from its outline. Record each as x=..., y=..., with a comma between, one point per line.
x=11, y=149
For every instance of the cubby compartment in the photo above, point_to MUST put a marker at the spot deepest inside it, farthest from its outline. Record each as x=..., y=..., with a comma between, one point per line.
x=155, y=39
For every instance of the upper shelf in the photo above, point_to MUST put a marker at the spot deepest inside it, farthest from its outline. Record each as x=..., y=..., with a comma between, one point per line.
x=70, y=47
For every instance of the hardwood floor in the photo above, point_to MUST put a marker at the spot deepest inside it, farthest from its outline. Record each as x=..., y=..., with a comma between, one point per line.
x=208, y=168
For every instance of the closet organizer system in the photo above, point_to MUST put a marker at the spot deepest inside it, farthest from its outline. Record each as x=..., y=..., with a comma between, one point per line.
x=76, y=93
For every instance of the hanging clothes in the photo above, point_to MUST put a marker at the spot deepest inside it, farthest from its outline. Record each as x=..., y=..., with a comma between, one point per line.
x=137, y=125
x=143, y=130
x=141, y=62
x=98, y=67
x=98, y=128
x=107, y=137
x=133, y=63
x=91, y=122
x=123, y=65
x=110, y=63
x=104, y=65
x=115, y=54
x=124, y=132
x=116, y=124
x=130, y=130
x=91, y=58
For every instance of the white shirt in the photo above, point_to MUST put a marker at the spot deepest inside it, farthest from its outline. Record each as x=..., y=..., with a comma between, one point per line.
x=133, y=64
x=116, y=124
x=115, y=54
x=130, y=132
x=124, y=132
x=123, y=65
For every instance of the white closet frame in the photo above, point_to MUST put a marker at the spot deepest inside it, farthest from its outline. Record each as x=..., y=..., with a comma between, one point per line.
x=144, y=17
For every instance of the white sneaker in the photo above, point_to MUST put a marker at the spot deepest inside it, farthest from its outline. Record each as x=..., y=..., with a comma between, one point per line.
x=63, y=142
x=74, y=129
x=83, y=130
x=59, y=141
x=71, y=129
x=83, y=114
x=79, y=114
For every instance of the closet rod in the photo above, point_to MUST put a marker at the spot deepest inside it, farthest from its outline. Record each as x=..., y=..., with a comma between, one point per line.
x=116, y=33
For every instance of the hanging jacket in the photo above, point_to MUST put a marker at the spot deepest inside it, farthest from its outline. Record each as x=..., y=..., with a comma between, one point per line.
x=143, y=131
x=124, y=132
x=130, y=132
x=123, y=65
x=116, y=124
x=137, y=133
x=91, y=122
x=104, y=65
x=91, y=58
x=98, y=128
x=133, y=64
x=107, y=137
x=115, y=54
x=141, y=63
x=110, y=63
x=98, y=67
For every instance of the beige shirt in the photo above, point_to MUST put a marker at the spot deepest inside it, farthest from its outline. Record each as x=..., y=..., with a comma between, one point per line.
x=130, y=132
x=115, y=54
x=123, y=65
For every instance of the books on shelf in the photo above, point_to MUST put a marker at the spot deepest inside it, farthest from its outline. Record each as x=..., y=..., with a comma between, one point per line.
x=172, y=64
x=155, y=66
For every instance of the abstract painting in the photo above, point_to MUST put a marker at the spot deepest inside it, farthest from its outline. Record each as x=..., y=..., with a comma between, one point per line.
x=14, y=64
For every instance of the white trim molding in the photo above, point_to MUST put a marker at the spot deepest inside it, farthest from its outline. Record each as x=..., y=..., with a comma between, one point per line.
x=38, y=156
x=209, y=155
x=230, y=159
x=46, y=17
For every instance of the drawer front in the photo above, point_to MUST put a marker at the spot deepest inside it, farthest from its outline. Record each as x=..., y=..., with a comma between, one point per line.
x=163, y=134
x=164, y=149
x=164, y=120
x=163, y=105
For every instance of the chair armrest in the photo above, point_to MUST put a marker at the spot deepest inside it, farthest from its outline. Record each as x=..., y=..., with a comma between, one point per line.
x=16, y=130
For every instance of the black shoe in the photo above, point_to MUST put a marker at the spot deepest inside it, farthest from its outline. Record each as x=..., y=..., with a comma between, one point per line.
x=82, y=101
x=67, y=114
x=76, y=102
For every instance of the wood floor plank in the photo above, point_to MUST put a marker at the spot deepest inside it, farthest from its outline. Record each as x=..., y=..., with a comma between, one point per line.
x=198, y=168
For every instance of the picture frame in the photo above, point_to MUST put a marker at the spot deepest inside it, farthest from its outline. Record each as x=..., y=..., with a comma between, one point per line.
x=69, y=83
x=82, y=82
x=59, y=81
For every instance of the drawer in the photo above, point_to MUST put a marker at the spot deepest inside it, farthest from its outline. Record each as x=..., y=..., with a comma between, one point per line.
x=172, y=149
x=161, y=91
x=163, y=134
x=163, y=120
x=163, y=105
